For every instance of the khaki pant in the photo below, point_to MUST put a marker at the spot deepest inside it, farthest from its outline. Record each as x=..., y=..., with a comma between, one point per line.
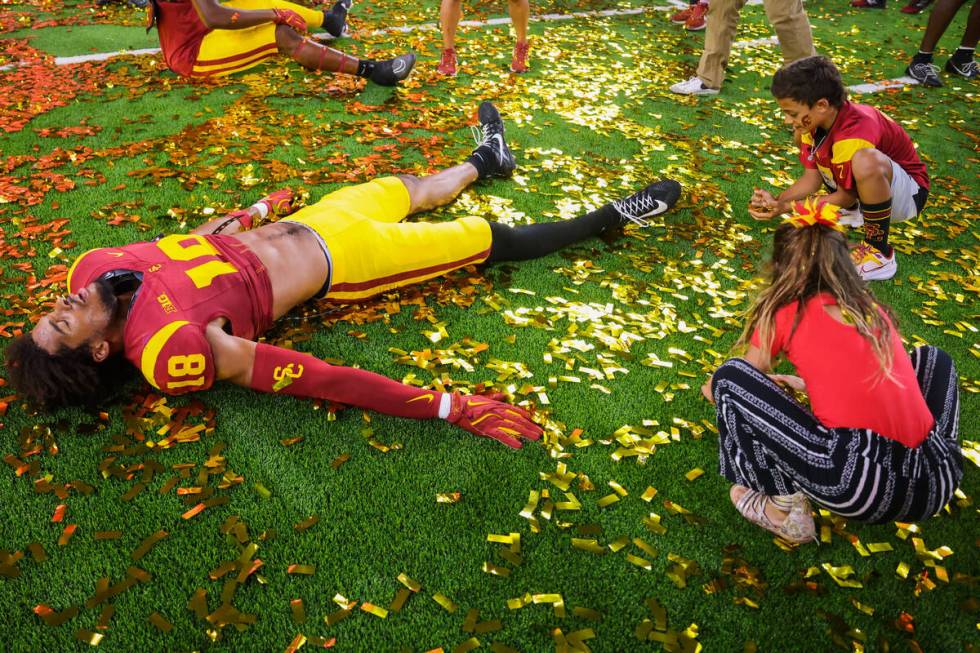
x=786, y=17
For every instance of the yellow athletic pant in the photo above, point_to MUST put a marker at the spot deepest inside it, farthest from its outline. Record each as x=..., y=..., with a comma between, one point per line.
x=227, y=51
x=371, y=251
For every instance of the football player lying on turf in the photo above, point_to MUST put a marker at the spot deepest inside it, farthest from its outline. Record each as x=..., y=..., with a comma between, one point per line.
x=186, y=309
x=204, y=38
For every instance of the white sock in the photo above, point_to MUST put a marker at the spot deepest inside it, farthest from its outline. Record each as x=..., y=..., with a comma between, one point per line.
x=262, y=209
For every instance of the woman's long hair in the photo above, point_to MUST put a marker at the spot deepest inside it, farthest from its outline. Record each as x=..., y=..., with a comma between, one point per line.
x=809, y=258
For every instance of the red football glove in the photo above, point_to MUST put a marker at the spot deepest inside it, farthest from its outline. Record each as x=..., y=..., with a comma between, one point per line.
x=290, y=18
x=490, y=417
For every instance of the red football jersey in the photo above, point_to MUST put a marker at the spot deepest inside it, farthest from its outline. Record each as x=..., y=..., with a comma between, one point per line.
x=181, y=31
x=188, y=281
x=859, y=126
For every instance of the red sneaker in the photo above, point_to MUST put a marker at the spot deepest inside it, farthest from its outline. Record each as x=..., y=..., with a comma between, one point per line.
x=447, y=65
x=697, y=21
x=519, y=63
x=681, y=16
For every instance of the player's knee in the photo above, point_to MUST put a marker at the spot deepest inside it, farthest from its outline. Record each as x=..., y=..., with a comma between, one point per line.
x=869, y=163
x=287, y=39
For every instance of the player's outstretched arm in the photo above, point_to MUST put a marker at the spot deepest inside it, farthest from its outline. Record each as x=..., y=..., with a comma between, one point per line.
x=275, y=370
x=218, y=16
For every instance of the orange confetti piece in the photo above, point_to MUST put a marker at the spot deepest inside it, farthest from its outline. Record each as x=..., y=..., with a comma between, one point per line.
x=67, y=534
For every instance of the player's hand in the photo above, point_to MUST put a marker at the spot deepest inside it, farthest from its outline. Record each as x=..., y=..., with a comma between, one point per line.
x=790, y=381
x=290, y=18
x=490, y=417
x=762, y=205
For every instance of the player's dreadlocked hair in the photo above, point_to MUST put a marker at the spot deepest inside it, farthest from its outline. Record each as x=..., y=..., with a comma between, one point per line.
x=69, y=378
x=808, y=261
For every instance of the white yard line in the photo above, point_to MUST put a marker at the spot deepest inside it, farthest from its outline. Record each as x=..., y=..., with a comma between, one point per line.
x=673, y=5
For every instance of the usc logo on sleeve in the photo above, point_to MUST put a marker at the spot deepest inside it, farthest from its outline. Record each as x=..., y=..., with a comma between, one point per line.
x=285, y=375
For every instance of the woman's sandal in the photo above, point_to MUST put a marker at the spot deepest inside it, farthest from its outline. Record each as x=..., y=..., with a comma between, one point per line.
x=798, y=527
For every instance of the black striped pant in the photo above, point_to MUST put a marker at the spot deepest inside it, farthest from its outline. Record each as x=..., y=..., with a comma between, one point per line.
x=769, y=442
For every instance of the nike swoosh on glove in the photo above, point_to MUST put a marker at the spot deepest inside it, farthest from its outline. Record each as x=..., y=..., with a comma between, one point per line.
x=290, y=18
x=490, y=417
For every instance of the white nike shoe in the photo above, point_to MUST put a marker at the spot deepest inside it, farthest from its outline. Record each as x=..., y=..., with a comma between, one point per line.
x=693, y=86
x=491, y=146
x=657, y=198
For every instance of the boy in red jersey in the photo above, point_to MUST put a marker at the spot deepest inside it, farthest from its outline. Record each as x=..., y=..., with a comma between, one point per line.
x=204, y=38
x=186, y=309
x=861, y=155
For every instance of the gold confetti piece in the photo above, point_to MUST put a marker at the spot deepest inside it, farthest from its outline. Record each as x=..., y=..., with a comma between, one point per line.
x=169, y=485
x=652, y=523
x=485, y=627
x=619, y=543
x=193, y=511
x=322, y=642
x=469, y=622
x=298, y=642
x=639, y=562
x=160, y=622
x=861, y=607
x=445, y=602
x=288, y=442
x=590, y=545
x=649, y=493
x=198, y=604
x=262, y=491
x=299, y=612
x=336, y=617
x=306, y=523
x=401, y=596
x=408, y=582
x=697, y=472
x=37, y=552
x=495, y=570
x=107, y=535
x=518, y=602
x=646, y=548
x=587, y=613
x=52, y=618
x=619, y=489
x=841, y=575
x=546, y=598
x=467, y=646
x=339, y=460
x=304, y=570
x=376, y=610
x=147, y=544
x=608, y=500
x=500, y=539
x=90, y=638
x=532, y=503
x=343, y=602
x=67, y=534
x=105, y=617
x=448, y=497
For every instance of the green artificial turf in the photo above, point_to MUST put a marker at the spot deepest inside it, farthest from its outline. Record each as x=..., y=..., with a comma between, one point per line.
x=592, y=121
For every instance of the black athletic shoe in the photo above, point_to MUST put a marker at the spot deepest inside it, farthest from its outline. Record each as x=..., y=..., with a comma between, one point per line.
x=392, y=71
x=335, y=20
x=966, y=70
x=926, y=74
x=492, y=148
x=659, y=197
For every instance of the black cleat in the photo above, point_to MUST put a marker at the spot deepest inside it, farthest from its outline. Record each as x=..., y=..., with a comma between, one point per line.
x=392, y=71
x=659, y=197
x=925, y=73
x=335, y=20
x=966, y=70
x=491, y=147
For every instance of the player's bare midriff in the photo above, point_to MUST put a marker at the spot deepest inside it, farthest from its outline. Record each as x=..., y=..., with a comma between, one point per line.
x=294, y=260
